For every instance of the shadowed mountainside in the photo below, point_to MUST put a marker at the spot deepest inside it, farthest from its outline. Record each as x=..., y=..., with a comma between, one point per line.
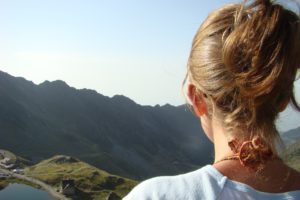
x=114, y=134
x=292, y=155
x=292, y=136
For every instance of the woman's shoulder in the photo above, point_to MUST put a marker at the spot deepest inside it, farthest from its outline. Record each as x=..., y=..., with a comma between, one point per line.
x=193, y=185
x=205, y=183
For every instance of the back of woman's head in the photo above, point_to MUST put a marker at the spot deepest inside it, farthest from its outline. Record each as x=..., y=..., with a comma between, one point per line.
x=245, y=58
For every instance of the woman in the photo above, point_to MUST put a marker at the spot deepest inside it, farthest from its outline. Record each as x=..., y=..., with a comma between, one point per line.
x=241, y=71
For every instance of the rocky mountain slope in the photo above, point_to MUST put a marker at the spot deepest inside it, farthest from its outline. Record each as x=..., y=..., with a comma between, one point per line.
x=115, y=134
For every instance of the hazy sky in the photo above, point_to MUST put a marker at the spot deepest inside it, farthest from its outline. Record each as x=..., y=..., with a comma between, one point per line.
x=137, y=48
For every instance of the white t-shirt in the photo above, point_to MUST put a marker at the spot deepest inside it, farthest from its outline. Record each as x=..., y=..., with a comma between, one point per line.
x=206, y=183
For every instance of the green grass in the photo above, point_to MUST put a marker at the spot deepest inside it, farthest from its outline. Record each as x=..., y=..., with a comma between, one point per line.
x=10, y=155
x=92, y=182
x=3, y=183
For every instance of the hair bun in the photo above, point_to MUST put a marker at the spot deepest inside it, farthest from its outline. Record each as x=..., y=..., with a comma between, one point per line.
x=264, y=2
x=261, y=6
x=262, y=33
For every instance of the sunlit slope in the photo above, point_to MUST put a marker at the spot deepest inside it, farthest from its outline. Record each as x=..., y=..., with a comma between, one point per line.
x=91, y=182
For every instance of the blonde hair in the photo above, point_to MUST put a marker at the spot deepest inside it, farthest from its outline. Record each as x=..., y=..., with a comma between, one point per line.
x=245, y=58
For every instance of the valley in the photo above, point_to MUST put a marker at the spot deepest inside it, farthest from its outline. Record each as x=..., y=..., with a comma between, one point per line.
x=84, y=181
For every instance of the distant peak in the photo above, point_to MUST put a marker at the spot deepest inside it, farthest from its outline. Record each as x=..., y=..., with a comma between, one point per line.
x=58, y=83
x=3, y=73
x=167, y=105
x=122, y=98
x=7, y=76
x=45, y=83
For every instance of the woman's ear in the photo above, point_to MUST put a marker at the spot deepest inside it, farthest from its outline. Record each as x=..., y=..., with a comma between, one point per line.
x=197, y=101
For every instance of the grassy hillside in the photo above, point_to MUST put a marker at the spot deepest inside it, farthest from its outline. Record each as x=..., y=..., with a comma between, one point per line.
x=18, y=160
x=91, y=182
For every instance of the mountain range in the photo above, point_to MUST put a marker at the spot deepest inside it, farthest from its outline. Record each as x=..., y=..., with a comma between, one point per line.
x=115, y=134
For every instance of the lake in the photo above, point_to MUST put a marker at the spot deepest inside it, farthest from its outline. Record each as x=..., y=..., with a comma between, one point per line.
x=23, y=192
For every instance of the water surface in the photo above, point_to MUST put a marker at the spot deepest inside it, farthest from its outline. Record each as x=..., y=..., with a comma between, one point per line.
x=23, y=192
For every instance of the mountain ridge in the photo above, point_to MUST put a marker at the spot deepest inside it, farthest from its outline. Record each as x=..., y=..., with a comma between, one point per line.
x=115, y=134
x=292, y=136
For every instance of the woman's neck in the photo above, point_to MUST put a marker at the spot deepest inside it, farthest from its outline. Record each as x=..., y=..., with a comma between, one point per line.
x=275, y=177
x=220, y=141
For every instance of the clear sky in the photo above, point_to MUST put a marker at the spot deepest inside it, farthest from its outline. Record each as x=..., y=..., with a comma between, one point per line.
x=137, y=48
